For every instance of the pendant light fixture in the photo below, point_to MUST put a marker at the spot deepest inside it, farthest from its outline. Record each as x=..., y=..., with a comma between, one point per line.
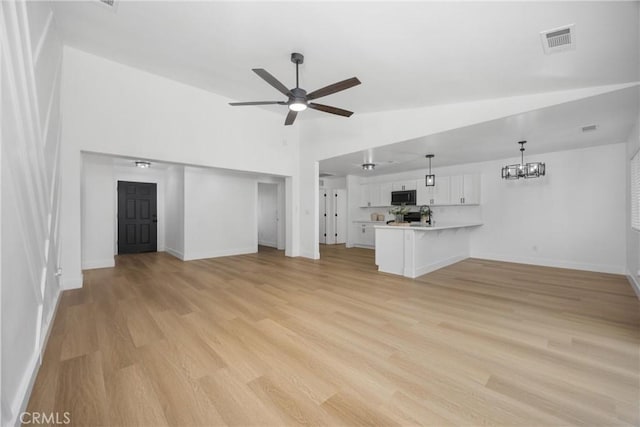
x=430, y=180
x=523, y=170
x=368, y=166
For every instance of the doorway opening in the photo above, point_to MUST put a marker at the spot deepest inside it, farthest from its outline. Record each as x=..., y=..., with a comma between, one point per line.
x=270, y=209
x=137, y=217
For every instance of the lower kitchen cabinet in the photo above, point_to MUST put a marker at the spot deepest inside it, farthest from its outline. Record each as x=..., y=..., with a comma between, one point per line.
x=366, y=235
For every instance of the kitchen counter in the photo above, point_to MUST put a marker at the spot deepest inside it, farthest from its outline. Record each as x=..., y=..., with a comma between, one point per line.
x=414, y=250
x=420, y=227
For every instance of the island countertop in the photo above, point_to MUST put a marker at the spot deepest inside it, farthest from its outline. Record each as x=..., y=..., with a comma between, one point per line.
x=428, y=227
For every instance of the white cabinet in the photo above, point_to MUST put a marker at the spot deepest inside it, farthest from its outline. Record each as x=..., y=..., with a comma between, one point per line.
x=375, y=195
x=366, y=236
x=365, y=196
x=448, y=190
x=465, y=190
x=441, y=191
x=435, y=195
x=385, y=194
x=424, y=195
x=404, y=185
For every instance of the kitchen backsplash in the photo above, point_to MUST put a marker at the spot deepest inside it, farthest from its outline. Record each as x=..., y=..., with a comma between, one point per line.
x=442, y=214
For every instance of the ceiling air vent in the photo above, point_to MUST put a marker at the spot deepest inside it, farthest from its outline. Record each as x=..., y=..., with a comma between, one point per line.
x=108, y=4
x=589, y=128
x=559, y=39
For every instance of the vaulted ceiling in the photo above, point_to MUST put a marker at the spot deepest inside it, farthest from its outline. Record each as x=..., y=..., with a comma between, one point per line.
x=407, y=55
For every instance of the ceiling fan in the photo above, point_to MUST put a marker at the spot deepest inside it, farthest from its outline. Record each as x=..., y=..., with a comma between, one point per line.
x=298, y=97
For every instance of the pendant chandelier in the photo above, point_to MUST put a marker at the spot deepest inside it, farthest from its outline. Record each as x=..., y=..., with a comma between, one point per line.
x=523, y=170
x=430, y=180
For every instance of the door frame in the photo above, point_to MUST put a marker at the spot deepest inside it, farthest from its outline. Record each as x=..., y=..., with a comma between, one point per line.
x=282, y=214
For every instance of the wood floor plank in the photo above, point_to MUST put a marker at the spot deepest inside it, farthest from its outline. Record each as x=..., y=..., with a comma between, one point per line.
x=81, y=392
x=262, y=339
x=132, y=400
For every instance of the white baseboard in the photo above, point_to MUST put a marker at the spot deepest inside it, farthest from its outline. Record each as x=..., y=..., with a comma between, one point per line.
x=634, y=283
x=175, y=253
x=19, y=405
x=310, y=254
x=99, y=263
x=268, y=243
x=358, y=245
x=424, y=269
x=220, y=253
x=545, y=262
x=74, y=282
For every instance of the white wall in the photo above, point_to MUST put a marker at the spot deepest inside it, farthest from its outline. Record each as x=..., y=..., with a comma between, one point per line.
x=30, y=55
x=113, y=109
x=633, y=236
x=98, y=207
x=174, y=211
x=573, y=218
x=333, y=182
x=570, y=218
x=219, y=213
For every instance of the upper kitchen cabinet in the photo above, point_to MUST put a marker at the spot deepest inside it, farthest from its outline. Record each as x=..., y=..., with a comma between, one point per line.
x=375, y=195
x=365, y=196
x=383, y=194
x=436, y=195
x=465, y=190
x=404, y=185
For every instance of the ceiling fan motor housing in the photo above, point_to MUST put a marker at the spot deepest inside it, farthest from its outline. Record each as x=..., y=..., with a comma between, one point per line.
x=299, y=96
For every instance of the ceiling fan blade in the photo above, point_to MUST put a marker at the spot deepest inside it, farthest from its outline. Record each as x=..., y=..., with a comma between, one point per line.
x=237, y=104
x=290, y=118
x=272, y=81
x=329, y=109
x=336, y=87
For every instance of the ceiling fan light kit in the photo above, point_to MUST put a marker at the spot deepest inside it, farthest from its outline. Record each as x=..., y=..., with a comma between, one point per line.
x=298, y=98
x=523, y=170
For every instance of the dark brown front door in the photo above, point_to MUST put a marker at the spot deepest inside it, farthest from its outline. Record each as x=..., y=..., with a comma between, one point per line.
x=137, y=218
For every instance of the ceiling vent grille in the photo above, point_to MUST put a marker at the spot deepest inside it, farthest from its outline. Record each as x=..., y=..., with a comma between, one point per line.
x=559, y=39
x=108, y=4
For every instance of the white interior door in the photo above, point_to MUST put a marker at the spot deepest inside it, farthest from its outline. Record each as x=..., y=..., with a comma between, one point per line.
x=339, y=216
x=268, y=214
x=322, y=211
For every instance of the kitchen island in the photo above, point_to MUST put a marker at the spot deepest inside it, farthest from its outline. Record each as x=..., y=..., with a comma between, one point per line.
x=412, y=251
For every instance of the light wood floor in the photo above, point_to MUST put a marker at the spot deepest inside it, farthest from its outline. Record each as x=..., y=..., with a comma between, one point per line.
x=266, y=340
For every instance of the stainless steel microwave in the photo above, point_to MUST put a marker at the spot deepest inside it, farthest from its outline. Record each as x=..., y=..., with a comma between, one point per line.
x=406, y=197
